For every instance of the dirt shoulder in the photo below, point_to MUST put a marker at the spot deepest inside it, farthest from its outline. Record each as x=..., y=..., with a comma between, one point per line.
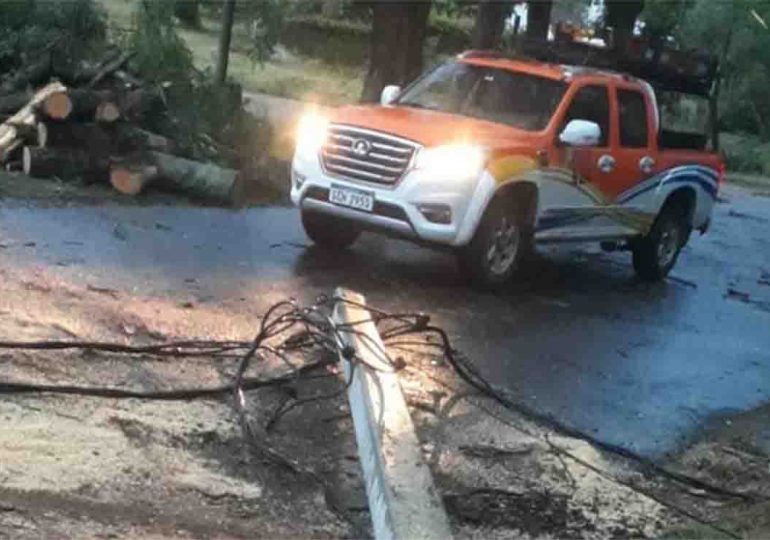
x=502, y=474
x=74, y=466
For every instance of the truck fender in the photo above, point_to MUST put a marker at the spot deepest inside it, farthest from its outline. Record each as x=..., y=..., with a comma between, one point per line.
x=486, y=190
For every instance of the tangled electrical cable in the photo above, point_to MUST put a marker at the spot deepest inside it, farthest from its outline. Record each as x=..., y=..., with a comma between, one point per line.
x=288, y=328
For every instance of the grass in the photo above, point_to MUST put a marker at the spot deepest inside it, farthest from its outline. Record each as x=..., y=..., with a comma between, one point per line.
x=285, y=75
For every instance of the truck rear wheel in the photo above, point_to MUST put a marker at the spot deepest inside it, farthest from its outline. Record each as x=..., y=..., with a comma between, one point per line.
x=498, y=247
x=655, y=254
x=328, y=231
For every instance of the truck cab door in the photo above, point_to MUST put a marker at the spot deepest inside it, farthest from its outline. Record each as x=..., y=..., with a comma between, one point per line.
x=636, y=149
x=571, y=197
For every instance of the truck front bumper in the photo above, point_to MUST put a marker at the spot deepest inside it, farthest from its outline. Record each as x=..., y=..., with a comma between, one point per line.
x=406, y=209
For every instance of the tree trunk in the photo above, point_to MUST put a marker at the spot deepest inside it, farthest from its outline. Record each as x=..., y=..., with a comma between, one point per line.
x=132, y=179
x=94, y=138
x=188, y=12
x=131, y=139
x=225, y=34
x=395, y=47
x=199, y=180
x=63, y=163
x=538, y=18
x=9, y=130
x=85, y=103
x=621, y=17
x=490, y=23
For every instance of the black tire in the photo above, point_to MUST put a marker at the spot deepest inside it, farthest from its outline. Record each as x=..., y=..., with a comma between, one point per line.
x=489, y=271
x=328, y=231
x=656, y=254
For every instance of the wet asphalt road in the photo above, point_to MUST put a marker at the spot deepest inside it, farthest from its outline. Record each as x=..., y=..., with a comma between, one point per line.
x=639, y=365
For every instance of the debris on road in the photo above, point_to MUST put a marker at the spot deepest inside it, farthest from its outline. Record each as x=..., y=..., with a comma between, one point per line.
x=93, y=126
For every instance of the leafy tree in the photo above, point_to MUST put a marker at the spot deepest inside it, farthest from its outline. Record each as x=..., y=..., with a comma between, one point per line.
x=395, y=46
x=538, y=18
x=490, y=23
x=159, y=53
x=621, y=16
x=730, y=30
x=266, y=21
x=68, y=29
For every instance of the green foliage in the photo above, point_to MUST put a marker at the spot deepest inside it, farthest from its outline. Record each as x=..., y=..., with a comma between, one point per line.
x=70, y=28
x=159, y=53
x=729, y=30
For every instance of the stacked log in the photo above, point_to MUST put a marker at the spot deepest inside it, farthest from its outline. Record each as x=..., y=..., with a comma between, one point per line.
x=93, y=130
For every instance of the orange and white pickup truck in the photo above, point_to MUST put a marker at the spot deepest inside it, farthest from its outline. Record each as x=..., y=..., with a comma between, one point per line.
x=489, y=154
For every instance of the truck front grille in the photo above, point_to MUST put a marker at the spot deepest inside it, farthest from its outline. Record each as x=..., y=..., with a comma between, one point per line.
x=369, y=156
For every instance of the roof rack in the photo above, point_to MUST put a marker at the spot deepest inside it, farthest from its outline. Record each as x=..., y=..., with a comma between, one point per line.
x=689, y=72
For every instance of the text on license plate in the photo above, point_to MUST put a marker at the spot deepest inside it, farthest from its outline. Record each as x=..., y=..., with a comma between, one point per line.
x=352, y=198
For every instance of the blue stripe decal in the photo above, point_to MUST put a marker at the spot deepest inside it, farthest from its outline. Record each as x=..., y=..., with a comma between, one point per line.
x=702, y=176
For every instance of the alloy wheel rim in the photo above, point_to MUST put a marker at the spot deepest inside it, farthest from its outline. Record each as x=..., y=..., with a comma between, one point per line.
x=504, y=246
x=668, y=246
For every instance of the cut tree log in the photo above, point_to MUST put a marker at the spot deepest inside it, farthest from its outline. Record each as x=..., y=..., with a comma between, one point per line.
x=132, y=179
x=204, y=181
x=57, y=106
x=65, y=163
x=107, y=112
x=130, y=138
x=85, y=102
x=9, y=130
x=92, y=137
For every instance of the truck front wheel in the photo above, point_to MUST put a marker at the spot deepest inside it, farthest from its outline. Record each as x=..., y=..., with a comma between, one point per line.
x=654, y=255
x=500, y=243
x=328, y=231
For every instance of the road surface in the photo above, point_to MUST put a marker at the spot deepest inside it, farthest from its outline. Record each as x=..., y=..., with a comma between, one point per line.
x=640, y=365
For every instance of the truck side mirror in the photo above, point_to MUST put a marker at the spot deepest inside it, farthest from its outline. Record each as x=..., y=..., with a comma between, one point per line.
x=389, y=94
x=581, y=133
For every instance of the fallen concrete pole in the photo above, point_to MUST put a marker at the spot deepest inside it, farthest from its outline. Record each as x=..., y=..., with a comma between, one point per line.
x=403, y=501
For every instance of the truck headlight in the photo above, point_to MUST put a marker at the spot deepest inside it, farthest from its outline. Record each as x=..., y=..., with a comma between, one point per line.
x=452, y=160
x=311, y=134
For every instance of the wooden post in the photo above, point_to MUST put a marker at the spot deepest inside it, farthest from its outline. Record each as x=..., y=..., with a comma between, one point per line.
x=225, y=34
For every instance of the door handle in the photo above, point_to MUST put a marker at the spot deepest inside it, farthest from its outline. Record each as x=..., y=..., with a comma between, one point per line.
x=646, y=164
x=606, y=163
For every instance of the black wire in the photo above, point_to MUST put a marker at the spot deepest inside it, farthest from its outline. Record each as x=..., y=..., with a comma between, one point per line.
x=317, y=330
x=471, y=376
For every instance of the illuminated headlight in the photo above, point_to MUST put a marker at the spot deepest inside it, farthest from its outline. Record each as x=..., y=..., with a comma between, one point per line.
x=452, y=160
x=311, y=134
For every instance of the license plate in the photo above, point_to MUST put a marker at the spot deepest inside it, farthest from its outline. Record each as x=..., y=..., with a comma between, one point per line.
x=352, y=198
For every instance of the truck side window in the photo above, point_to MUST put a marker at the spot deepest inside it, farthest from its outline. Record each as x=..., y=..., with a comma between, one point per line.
x=591, y=103
x=633, y=119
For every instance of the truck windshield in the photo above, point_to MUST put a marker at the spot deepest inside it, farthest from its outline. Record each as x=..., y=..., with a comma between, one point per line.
x=517, y=99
